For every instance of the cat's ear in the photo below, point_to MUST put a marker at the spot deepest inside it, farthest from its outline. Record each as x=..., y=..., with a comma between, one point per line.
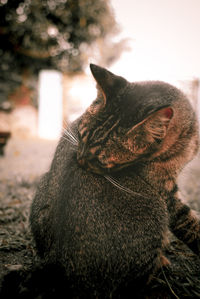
x=109, y=83
x=157, y=123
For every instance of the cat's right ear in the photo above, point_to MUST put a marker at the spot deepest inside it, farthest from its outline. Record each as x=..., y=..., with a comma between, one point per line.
x=108, y=83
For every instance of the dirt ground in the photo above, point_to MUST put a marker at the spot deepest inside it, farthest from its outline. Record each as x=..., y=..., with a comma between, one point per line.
x=24, y=162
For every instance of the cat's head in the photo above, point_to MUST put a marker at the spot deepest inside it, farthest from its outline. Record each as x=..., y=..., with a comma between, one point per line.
x=129, y=122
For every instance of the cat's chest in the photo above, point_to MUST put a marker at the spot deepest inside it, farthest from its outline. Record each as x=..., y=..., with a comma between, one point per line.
x=99, y=210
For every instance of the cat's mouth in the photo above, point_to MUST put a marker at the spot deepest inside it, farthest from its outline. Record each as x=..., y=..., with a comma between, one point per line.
x=102, y=169
x=95, y=167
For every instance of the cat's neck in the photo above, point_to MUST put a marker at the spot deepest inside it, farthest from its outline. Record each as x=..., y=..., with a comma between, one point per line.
x=160, y=176
x=163, y=171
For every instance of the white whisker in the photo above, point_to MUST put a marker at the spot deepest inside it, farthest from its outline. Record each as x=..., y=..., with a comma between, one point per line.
x=70, y=136
x=71, y=133
x=119, y=186
x=70, y=141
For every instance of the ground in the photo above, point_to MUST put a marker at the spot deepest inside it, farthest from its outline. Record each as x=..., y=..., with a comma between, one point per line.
x=24, y=162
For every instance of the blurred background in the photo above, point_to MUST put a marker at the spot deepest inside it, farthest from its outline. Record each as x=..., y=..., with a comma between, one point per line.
x=46, y=47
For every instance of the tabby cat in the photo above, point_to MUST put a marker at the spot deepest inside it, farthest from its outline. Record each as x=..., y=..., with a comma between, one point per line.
x=104, y=209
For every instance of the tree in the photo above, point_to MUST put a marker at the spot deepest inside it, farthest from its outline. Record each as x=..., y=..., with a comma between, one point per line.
x=51, y=34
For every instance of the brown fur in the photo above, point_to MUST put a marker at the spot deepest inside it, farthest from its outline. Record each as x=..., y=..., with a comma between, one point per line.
x=104, y=209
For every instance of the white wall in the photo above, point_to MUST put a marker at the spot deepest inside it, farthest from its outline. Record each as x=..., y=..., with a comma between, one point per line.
x=50, y=104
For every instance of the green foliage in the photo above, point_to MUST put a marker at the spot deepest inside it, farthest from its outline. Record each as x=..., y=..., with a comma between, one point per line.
x=50, y=34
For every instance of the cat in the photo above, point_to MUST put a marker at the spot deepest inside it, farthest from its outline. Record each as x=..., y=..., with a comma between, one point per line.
x=104, y=209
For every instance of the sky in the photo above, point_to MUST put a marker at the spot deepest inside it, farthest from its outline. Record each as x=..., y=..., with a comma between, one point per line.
x=164, y=37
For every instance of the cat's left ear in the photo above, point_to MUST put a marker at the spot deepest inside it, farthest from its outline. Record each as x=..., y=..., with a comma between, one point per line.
x=157, y=123
x=109, y=83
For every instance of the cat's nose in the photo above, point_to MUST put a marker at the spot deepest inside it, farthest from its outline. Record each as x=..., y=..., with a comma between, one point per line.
x=81, y=154
x=81, y=158
x=81, y=161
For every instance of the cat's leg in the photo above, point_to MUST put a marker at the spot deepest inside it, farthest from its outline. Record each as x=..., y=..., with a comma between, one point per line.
x=184, y=222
